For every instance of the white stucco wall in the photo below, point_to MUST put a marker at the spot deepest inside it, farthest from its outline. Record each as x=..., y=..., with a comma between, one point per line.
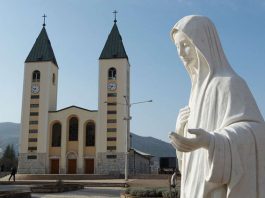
x=122, y=67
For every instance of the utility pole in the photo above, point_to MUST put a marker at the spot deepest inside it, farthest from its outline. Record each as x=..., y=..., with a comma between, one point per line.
x=128, y=118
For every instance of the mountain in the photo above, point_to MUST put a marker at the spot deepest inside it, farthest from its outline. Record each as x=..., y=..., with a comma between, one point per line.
x=152, y=146
x=9, y=134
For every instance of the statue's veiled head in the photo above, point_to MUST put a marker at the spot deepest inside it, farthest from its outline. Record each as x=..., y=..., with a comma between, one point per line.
x=197, y=41
x=186, y=51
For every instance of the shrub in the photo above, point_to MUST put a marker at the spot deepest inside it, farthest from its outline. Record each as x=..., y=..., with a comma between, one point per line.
x=160, y=191
x=127, y=191
x=145, y=192
x=167, y=194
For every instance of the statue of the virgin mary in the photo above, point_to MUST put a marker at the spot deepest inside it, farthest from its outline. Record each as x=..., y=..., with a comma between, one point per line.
x=220, y=135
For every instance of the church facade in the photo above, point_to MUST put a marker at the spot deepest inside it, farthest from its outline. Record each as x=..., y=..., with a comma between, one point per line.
x=75, y=140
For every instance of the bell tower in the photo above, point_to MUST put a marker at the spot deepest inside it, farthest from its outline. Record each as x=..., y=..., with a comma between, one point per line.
x=114, y=93
x=39, y=97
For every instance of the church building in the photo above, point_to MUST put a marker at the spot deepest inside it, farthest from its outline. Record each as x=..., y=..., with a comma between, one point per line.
x=75, y=140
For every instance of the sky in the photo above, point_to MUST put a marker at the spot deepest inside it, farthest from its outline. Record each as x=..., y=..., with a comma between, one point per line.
x=78, y=30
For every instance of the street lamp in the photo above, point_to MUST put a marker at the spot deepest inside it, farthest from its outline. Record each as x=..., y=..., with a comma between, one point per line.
x=128, y=118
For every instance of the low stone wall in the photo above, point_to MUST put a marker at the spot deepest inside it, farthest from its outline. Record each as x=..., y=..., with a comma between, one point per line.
x=63, y=177
x=56, y=188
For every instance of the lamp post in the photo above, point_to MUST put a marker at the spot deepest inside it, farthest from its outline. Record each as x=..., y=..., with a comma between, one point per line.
x=128, y=118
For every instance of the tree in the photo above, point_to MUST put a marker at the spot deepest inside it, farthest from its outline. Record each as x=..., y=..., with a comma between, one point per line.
x=9, y=158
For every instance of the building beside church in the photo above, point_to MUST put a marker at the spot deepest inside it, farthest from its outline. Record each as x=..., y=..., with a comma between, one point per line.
x=75, y=140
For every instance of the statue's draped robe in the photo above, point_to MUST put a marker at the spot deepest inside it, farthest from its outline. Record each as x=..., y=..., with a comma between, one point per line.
x=222, y=104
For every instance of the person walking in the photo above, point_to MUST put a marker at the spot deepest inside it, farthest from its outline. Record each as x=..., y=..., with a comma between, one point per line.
x=13, y=174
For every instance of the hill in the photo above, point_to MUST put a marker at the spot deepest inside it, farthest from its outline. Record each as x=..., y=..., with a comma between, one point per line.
x=152, y=146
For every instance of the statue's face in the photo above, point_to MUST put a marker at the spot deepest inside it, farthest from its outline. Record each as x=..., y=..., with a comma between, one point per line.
x=186, y=50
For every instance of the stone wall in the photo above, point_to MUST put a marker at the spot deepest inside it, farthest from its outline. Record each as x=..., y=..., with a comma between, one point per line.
x=110, y=163
x=138, y=164
x=155, y=165
x=32, y=166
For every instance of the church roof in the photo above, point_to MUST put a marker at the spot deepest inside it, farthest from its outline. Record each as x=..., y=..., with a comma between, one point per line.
x=42, y=49
x=113, y=47
x=73, y=106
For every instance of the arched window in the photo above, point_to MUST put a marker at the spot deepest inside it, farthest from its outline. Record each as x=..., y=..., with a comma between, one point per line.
x=112, y=74
x=53, y=79
x=56, y=135
x=36, y=76
x=90, y=134
x=73, y=129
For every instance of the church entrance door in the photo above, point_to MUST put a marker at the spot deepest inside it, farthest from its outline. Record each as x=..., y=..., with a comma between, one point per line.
x=54, y=166
x=71, y=166
x=89, y=166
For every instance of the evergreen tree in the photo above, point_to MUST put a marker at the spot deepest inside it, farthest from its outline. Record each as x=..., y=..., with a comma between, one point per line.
x=9, y=158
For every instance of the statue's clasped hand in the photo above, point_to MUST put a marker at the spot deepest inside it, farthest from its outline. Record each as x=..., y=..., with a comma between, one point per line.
x=183, y=144
x=182, y=120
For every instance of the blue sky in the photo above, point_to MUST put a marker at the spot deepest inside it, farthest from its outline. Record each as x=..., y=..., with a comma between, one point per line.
x=78, y=30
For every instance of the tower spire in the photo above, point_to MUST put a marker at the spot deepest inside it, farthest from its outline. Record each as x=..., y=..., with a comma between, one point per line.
x=42, y=49
x=113, y=47
x=44, y=16
x=115, y=14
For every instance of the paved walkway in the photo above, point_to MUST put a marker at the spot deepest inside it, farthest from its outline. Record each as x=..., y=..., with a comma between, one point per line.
x=95, y=192
x=88, y=183
x=94, y=188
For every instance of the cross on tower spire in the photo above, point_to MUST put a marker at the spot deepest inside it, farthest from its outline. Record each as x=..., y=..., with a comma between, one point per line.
x=44, y=16
x=115, y=13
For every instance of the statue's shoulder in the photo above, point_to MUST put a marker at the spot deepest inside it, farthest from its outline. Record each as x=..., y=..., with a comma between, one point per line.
x=228, y=81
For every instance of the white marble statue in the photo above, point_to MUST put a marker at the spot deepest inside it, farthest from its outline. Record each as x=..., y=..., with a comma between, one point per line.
x=220, y=135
